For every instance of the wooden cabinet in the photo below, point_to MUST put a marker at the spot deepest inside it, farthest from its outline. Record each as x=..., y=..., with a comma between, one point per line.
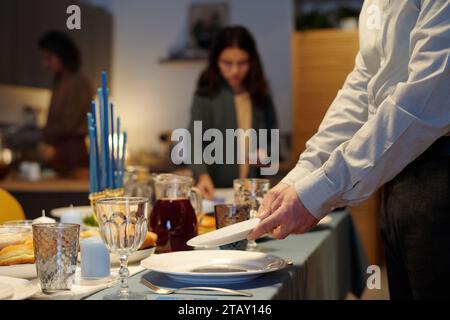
x=24, y=21
x=321, y=60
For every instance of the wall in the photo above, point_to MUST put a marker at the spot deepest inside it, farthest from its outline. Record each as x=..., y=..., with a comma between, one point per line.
x=153, y=97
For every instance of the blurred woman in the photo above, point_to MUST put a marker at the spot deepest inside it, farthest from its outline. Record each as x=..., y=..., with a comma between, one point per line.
x=232, y=93
x=66, y=129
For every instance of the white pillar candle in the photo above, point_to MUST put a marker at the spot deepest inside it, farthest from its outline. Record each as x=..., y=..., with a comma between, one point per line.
x=95, y=261
x=72, y=216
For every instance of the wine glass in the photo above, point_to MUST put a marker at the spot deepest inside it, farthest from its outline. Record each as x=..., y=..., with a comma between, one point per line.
x=250, y=193
x=123, y=227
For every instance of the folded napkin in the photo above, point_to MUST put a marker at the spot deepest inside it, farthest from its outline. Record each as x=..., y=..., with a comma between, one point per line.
x=83, y=288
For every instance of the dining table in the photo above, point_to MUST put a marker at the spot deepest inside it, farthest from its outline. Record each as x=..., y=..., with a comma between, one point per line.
x=328, y=262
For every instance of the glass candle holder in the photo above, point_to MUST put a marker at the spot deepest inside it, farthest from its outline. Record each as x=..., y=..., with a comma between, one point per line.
x=56, y=253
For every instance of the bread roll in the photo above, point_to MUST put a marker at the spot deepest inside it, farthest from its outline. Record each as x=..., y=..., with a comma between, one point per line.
x=150, y=240
x=17, y=254
x=207, y=224
x=9, y=239
x=89, y=233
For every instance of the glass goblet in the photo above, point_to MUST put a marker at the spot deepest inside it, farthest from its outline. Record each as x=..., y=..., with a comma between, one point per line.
x=123, y=227
x=250, y=193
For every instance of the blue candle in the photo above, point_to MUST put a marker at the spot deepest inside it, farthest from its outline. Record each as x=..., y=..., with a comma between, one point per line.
x=106, y=127
x=122, y=166
x=103, y=141
x=118, y=153
x=95, y=260
x=96, y=149
x=112, y=166
x=91, y=154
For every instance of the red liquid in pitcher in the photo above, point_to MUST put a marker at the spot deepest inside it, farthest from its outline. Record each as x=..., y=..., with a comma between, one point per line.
x=175, y=222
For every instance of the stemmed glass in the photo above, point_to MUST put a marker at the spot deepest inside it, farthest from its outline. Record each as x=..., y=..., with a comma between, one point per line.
x=250, y=192
x=123, y=227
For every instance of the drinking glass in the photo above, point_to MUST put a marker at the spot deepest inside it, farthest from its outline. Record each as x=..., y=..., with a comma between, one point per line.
x=123, y=227
x=228, y=214
x=250, y=192
x=56, y=252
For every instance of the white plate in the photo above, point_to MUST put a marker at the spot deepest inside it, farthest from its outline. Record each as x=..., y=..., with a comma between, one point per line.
x=136, y=256
x=225, y=235
x=83, y=210
x=23, y=271
x=6, y=290
x=23, y=289
x=213, y=266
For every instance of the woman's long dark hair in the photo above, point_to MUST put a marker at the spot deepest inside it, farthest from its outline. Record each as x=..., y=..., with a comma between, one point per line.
x=211, y=80
x=64, y=47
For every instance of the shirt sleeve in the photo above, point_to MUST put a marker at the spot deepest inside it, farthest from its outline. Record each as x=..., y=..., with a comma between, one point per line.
x=346, y=115
x=406, y=123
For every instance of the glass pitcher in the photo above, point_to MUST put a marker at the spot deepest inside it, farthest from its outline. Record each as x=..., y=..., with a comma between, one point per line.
x=139, y=183
x=173, y=217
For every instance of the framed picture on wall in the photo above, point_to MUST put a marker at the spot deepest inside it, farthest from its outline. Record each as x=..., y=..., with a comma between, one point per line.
x=205, y=21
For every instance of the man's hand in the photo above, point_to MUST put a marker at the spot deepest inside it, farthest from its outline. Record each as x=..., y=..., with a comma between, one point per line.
x=282, y=213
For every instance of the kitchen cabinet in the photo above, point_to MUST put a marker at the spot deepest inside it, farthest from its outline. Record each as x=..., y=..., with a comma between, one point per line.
x=23, y=22
x=321, y=60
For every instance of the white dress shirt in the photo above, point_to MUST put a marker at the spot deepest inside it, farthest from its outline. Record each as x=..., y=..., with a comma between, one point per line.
x=392, y=107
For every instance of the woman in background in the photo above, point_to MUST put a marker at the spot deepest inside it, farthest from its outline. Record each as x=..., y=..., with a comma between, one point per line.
x=66, y=129
x=231, y=93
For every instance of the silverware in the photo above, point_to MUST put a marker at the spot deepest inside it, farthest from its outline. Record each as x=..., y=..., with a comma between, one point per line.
x=165, y=291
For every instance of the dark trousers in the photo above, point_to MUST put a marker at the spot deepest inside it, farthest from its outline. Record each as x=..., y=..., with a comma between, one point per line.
x=415, y=226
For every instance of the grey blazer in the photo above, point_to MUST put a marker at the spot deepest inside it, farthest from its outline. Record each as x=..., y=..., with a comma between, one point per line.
x=219, y=112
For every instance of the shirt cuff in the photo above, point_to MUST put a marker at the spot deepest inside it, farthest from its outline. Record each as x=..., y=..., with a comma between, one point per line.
x=318, y=193
x=295, y=175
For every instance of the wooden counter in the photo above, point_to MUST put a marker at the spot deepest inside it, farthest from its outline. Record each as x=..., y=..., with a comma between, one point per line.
x=50, y=185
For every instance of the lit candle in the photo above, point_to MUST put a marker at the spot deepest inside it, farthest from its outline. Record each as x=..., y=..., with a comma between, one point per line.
x=43, y=219
x=95, y=261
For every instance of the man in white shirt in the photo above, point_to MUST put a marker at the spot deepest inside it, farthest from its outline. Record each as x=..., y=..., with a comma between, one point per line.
x=388, y=124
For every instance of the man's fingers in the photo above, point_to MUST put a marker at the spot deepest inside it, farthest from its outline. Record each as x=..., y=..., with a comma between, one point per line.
x=271, y=202
x=265, y=205
x=282, y=232
x=267, y=225
x=264, y=213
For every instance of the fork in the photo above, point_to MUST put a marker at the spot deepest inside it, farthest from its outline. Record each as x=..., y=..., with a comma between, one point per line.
x=165, y=291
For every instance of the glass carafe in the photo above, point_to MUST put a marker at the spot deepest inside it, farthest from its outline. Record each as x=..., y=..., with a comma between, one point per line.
x=173, y=217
